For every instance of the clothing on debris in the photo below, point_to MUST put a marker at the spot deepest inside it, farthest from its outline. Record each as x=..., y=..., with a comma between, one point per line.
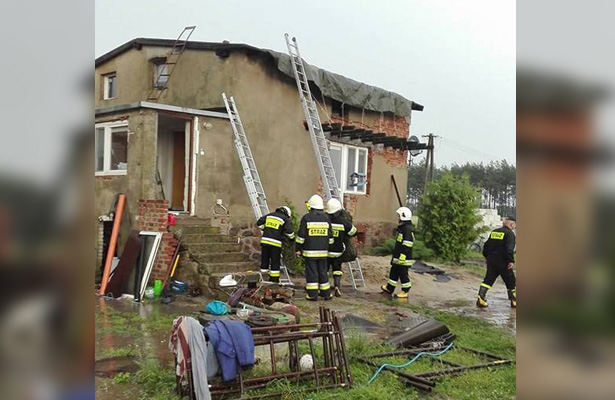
x=190, y=348
x=234, y=346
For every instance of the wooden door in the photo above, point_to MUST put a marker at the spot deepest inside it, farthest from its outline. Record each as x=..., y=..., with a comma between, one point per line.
x=179, y=170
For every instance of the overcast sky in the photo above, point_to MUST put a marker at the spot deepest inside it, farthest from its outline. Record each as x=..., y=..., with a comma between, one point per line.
x=456, y=58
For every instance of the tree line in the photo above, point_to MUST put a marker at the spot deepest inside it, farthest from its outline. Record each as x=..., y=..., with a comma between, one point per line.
x=496, y=180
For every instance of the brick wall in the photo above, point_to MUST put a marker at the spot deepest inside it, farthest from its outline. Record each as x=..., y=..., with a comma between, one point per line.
x=391, y=125
x=153, y=216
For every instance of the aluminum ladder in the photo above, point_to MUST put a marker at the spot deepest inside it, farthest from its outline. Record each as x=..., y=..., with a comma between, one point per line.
x=252, y=180
x=162, y=80
x=319, y=141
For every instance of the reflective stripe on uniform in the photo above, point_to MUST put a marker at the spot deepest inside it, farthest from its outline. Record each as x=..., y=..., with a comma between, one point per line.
x=264, y=271
x=331, y=240
x=324, y=286
x=407, y=243
x=406, y=285
x=276, y=218
x=352, y=231
x=337, y=227
x=274, y=274
x=271, y=242
x=392, y=282
x=485, y=285
x=338, y=273
x=333, y=254
x=261, y=226
x=291, y=235
x=314, y=225
x=311, y=286
x=405, y=263
x=315, y=253
x=299, y=240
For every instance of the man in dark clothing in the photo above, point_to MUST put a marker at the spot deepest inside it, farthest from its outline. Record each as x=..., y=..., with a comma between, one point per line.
x=313, y=240
x=275, y=226
x=499, y=251
x=402, y=255
x=341, y=228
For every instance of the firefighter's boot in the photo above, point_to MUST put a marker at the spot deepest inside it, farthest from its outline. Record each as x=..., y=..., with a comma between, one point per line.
x=402, y=295
x=337, y=284
x=481, y=301
x=512, y=296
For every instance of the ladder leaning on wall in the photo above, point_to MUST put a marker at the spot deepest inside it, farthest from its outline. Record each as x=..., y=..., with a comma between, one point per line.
x=319, y=142
x=252, y=180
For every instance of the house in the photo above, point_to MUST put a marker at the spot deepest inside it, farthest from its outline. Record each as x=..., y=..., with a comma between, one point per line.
x=175, y=151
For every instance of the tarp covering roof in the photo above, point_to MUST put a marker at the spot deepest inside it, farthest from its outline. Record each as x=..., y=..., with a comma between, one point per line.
x=332, y=85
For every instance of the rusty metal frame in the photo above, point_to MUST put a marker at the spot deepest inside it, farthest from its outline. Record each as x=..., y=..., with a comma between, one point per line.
x=329, y=372
x=422, y=380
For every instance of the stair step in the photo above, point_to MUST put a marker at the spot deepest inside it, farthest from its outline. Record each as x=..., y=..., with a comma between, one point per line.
x=227, y=267
x=204, y=258
x=187, y=221
x=189, y=229
x=201, y=238
x=208, y=247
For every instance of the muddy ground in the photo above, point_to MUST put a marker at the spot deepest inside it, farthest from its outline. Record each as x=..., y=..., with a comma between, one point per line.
x=146, y=335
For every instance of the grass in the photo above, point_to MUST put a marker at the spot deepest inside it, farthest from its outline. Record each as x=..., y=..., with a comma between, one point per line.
x=157, y=382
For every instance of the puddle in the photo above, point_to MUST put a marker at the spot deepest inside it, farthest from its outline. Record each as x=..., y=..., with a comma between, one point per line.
x=110, y=367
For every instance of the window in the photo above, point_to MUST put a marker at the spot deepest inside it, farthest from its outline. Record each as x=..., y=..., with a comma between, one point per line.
x=350, y=164
x=161, y=75
x=339, y=110
x=111, y=147
x=110, y=86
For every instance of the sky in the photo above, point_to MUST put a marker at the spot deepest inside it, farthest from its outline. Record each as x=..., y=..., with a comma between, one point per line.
x=456, y=58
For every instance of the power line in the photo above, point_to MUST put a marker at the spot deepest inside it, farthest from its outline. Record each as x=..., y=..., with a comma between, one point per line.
x=456, y=145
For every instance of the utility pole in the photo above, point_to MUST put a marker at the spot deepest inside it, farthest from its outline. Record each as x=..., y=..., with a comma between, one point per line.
x=429, y=164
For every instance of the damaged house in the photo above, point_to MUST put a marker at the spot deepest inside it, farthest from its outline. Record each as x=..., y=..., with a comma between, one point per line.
x=164, y=140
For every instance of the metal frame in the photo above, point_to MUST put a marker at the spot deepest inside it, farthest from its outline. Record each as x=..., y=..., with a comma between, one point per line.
x=332, y=371
x=422, y=380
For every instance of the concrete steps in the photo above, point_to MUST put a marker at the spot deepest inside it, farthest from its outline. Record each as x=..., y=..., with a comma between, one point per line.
x=219, y=257
x=201, y=238
x=212, y=247
x=226, y=268
x=206, y=251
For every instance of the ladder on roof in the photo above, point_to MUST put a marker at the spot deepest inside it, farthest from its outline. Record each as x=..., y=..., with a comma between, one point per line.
x=165, y=70
x=252, y=180
x=319, y=141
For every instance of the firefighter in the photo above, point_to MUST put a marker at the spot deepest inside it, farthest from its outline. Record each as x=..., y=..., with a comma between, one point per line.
x=499, y=251
x=275, y=226
x=313, y=240
x=342, y=228
x=402, y=255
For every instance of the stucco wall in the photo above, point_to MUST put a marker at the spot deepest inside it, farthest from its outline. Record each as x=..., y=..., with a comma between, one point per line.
x=272, y=115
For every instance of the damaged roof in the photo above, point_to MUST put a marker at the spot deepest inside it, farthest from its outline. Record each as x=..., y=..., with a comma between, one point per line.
x=332, y=85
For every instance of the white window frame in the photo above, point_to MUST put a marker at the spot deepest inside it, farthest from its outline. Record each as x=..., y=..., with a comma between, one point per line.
x=106, y=94
x=345, y=173
x=108, y=127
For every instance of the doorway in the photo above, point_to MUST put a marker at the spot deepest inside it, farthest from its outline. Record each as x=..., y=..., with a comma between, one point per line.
x=173, y=161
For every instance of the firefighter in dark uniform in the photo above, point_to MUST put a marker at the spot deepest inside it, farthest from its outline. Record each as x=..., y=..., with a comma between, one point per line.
x=341, y=228
x=312, y=242
x=275, y=226
x=402, y=255
x=499, y=251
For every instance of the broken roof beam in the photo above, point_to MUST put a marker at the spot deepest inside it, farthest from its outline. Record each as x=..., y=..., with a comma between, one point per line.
x=387, y=139
x=408, y=145
x=331, y=127
x=372, y=136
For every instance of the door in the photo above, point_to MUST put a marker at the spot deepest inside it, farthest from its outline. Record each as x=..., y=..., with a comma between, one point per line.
x=179, y=170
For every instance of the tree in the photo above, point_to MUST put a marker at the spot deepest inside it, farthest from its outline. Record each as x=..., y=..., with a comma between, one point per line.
x=447, y=216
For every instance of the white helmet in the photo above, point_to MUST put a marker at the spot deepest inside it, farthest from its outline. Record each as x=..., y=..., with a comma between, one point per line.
x=287, y=211
x=405, y=214
x=316, y=202
x=333, y=206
